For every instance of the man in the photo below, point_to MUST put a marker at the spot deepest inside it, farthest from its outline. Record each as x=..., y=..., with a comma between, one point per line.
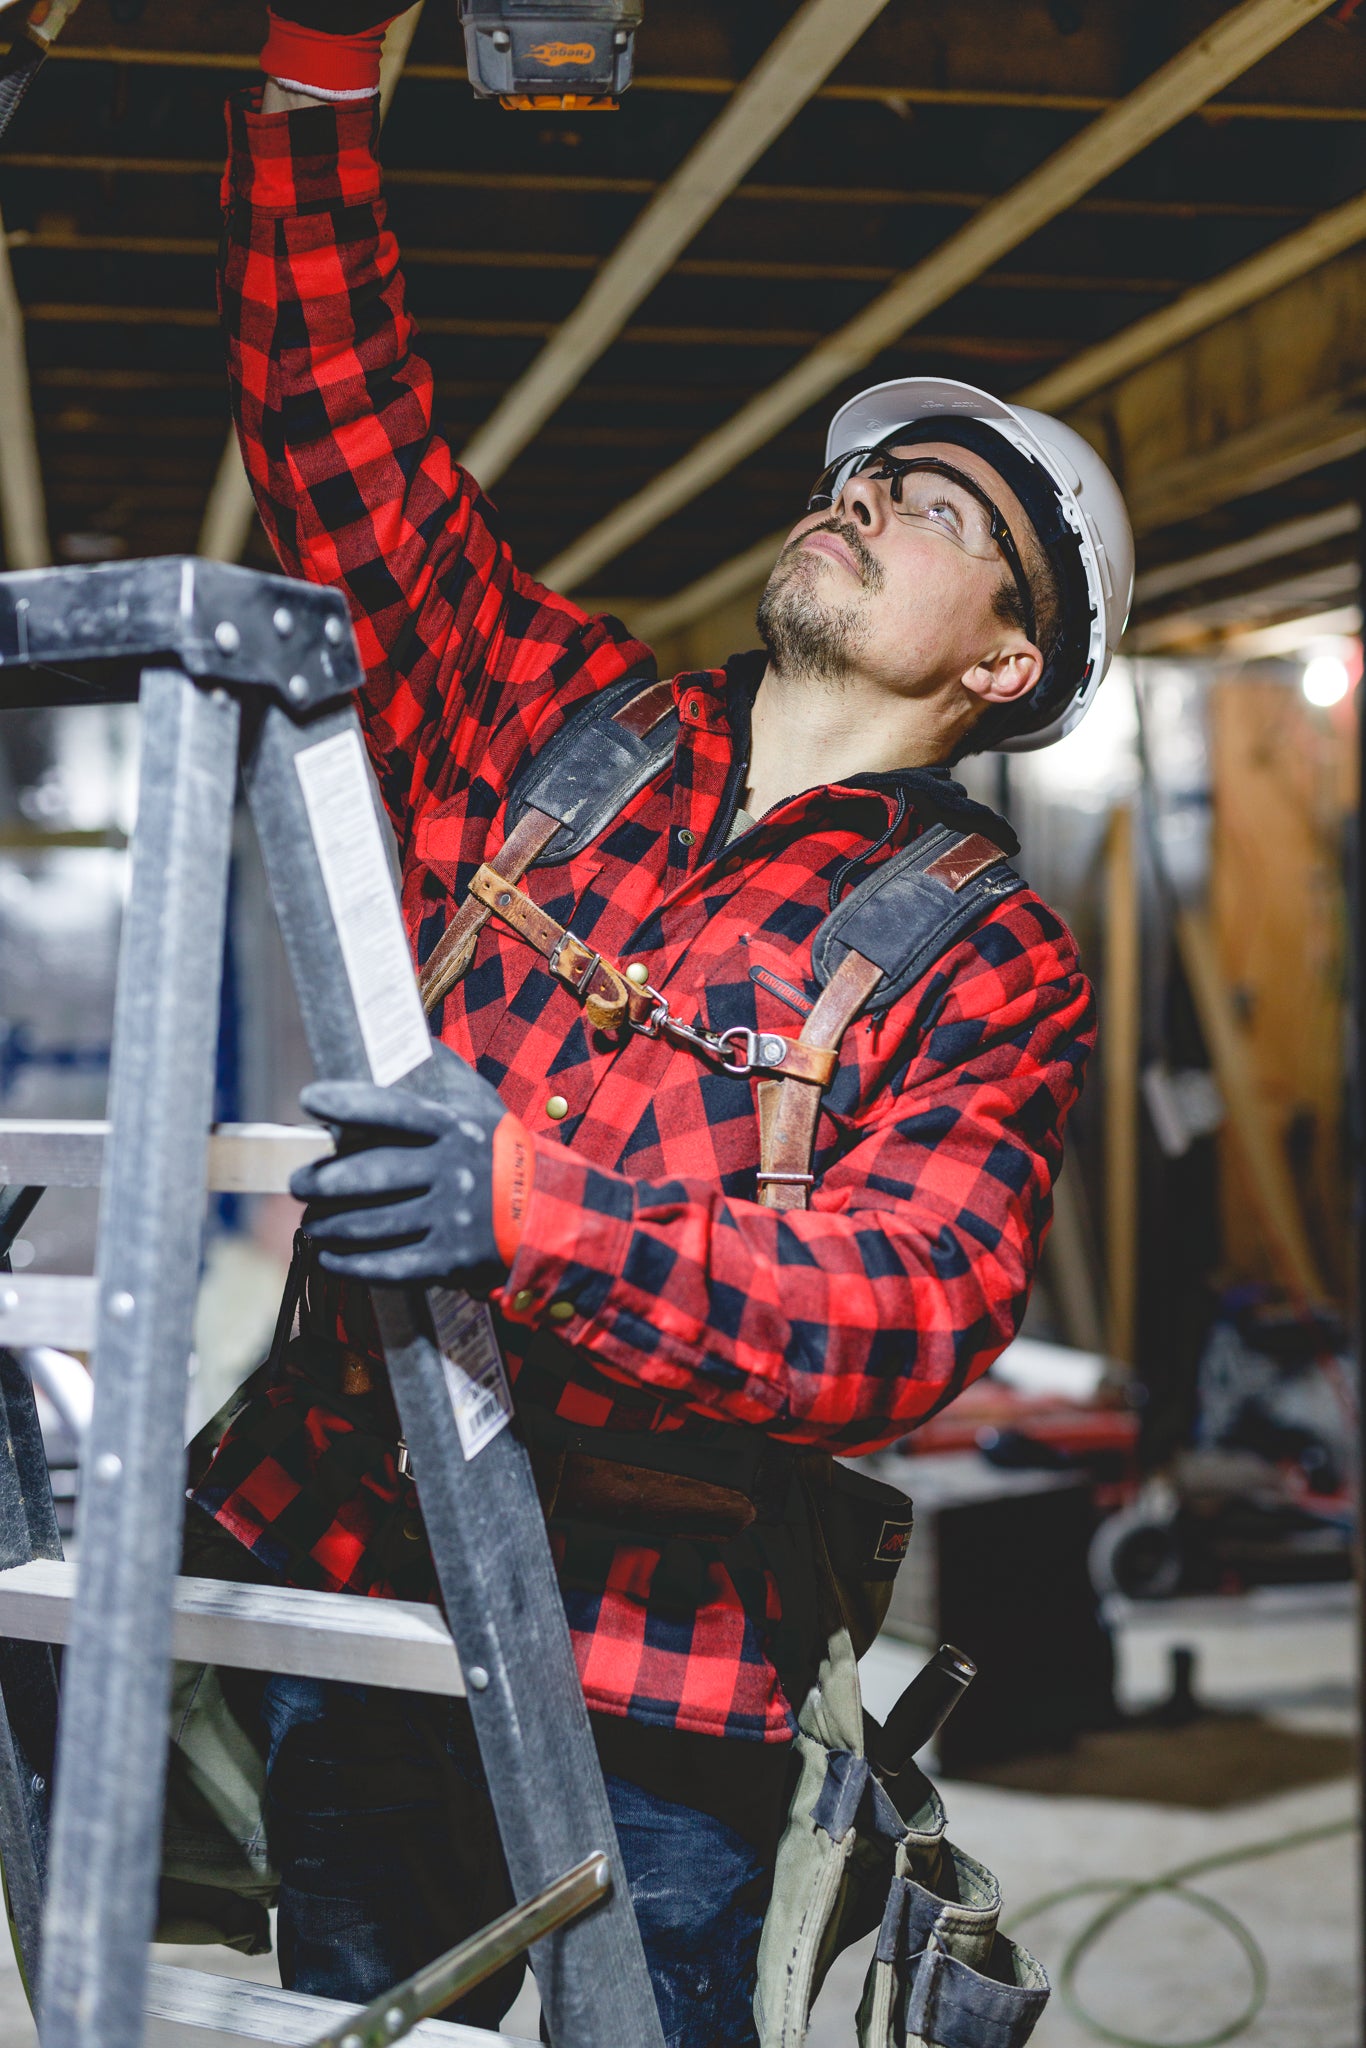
x=960, y=579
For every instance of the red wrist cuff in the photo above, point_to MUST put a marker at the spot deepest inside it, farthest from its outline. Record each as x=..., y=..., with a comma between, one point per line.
x=333, y=67
x=514, y=1175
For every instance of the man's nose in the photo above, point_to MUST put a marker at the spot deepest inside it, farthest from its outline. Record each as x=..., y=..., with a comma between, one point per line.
x=863, y=501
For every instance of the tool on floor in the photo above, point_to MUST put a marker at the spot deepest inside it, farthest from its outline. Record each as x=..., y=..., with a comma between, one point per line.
x=225, y=662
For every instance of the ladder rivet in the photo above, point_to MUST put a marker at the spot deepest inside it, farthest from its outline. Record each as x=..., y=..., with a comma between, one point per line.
x=638, y=972
x=226, y=637
x=297, y=687
x=500, y=39
x=121, y=1305
x=108, y=1466
x=334, y=631
x=351, y=2041
x=395, y=2020
x=282, y=618
x=476, y=1678
x=8, y=1300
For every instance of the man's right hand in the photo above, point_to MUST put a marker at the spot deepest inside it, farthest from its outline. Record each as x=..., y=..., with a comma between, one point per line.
x=324, y=50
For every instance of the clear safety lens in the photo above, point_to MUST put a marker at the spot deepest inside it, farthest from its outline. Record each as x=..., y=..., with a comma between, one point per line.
x=928, y=495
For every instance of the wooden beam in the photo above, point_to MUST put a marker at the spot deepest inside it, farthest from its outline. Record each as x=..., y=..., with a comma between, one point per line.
x=1304, y=299
x=1203, y=68
x=231, y=508
x=1295, y=596
x=781, y=83
x=438, y=178
x=1201, y=307
x=987, y=348
x=1265, y=1171
x=890, y=93
x=1119, y=1066
x=1272, y=544
x=743, y=269
x=23, y=514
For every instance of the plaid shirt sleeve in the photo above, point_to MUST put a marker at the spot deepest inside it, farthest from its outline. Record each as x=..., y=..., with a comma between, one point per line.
x=846, y=1324
x=355, y=484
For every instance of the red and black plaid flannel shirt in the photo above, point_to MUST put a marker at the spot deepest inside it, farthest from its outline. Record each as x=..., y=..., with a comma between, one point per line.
x=679, y=1302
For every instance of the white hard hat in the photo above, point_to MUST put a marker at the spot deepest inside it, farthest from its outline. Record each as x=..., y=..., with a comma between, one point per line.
x=1080, y=496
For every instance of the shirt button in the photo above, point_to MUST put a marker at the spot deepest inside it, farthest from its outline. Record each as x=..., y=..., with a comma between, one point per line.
x=685, y=837
x=523, y=1299
x=557, y=1108
x=561, y=1311
x=638, y=972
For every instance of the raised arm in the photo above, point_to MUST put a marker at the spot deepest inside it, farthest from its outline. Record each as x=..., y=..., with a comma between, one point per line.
x=334, y=407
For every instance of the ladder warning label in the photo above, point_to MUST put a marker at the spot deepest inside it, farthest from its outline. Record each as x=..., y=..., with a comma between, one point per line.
x=475, y=1375
x=360, y=894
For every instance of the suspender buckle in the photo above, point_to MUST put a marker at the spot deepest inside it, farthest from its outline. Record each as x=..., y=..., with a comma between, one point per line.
x=579, y=981
x=754, y=1051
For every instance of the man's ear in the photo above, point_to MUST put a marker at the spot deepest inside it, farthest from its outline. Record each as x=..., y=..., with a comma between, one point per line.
x=1007, y=675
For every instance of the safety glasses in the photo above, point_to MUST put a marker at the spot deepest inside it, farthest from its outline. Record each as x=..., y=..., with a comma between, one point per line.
x=927, y=492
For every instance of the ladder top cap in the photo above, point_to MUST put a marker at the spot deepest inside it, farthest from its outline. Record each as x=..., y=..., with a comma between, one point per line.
x=220, y=623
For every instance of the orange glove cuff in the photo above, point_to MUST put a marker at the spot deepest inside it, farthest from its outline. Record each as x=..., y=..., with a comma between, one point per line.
x=514, y=1176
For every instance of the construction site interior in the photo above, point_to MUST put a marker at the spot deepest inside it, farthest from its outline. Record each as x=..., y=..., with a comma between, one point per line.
x=1147, y=217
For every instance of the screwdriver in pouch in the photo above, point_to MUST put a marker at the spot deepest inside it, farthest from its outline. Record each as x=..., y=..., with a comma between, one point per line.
x=922, y=1710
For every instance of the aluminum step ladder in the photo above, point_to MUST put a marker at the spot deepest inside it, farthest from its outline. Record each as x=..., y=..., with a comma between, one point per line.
x=233, y=668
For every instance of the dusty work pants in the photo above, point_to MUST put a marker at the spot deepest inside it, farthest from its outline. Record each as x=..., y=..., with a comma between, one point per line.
x=381, y=1829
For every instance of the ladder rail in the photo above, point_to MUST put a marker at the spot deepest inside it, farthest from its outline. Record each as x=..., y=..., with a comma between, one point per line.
x=482, y=1513
x=114, y=1719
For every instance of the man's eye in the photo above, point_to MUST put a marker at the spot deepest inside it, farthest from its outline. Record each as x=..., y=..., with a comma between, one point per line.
x=944, y=513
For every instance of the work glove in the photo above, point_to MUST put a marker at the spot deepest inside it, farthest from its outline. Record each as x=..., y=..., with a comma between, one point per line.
x=329, y=48
x=417, y=1193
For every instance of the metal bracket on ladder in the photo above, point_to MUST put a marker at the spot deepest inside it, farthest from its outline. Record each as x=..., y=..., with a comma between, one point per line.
x=222, y=659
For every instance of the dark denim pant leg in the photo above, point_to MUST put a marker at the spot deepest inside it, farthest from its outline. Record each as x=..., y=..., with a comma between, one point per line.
x=699, y=1890
x=384, y=1839
x=388, y=1853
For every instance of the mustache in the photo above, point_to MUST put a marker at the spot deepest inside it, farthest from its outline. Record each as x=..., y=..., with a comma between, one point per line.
x=870, y=569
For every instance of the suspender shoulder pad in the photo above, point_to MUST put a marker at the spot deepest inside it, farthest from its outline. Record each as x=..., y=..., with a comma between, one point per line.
x=913, y=908
x=602, y=756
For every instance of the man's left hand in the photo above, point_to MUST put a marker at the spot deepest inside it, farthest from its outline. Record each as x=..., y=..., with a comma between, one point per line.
x=418, y=1193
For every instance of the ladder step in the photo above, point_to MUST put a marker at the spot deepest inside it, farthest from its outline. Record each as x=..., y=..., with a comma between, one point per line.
x=244, y=1159
x=47, y=1308
x=190, y=2009
x=301, y=1634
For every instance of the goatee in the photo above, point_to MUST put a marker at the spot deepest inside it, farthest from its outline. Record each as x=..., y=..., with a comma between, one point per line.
x=802, y=634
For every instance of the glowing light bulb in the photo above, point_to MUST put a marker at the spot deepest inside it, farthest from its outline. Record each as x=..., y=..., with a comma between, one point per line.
x=1325, y=680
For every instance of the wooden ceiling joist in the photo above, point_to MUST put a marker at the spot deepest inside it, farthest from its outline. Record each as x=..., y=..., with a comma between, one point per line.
x=790, y=70
x=893, y=93
x=442, y=178
x=1143, y=342
x=23, y=513
x=1235, y=42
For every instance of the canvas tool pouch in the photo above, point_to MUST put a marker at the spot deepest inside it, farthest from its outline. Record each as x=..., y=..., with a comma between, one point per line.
x=858, y=1855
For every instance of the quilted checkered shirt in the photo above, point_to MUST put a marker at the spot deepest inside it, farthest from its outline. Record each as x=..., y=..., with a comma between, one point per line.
x=679, y=1303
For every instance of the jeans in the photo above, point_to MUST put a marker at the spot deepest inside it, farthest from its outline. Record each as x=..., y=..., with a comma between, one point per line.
x=388, y=1854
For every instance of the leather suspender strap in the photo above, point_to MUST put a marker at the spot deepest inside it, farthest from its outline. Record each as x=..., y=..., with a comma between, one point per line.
x=789, y=1109
x=602, y=989
x=642, y=711
x=454, y=950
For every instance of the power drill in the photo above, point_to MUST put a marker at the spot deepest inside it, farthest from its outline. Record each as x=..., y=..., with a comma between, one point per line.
x=570, y=55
